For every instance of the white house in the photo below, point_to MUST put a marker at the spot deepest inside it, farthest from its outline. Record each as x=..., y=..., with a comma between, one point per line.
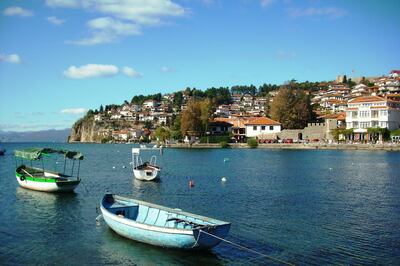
x=259, y=126
x=97, y=117
x=151, y=104
x=223, y=110
x=372, y=112
x=116, y=116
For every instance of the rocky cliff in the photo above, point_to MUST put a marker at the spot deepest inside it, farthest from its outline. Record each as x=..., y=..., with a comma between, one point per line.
x=85, y=130
x=88, y=130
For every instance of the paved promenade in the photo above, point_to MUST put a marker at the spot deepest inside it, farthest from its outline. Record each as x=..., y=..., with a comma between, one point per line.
x=298, y=146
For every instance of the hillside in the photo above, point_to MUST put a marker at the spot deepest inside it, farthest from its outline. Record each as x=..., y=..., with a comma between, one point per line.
x=51, y=135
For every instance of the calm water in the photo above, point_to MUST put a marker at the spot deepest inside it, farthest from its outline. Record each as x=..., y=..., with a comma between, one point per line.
x=304, y=207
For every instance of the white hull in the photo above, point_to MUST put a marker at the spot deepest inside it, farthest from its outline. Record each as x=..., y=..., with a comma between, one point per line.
x=146, y=175
x=46, y=186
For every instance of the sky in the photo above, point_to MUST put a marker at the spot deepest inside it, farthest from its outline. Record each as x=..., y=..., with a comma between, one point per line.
x=59, y=58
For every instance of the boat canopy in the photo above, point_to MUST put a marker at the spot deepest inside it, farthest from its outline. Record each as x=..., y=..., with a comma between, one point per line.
x=37, y=153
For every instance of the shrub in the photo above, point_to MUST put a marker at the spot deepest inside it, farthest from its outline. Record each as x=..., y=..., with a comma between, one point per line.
x=214, y=139
x=224, y=144
x=252, y=143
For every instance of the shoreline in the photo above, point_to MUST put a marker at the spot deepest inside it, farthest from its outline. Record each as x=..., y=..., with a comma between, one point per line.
x=294, y=146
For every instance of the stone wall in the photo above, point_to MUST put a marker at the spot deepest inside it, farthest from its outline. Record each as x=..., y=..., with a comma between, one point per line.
x=319, y=131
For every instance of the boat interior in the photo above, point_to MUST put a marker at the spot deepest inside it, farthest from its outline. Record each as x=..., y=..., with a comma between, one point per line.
x=39, y=173
x=154, y=216
x=147, y=166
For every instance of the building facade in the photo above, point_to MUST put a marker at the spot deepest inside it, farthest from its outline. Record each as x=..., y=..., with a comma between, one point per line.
x=372, y=112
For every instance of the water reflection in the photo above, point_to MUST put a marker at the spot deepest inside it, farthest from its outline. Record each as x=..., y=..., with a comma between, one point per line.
x=117, y=249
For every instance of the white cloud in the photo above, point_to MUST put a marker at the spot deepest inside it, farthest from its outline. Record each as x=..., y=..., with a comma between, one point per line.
x=62, y=3
x=17, y=11
x=130, y=72
x=266, y=3
x=106, y=30
x=91, y=71
x=140, y=11
x=55, y=21
x=12, y=58
x=74, y=111
x=123, y=17
x=323, y=12
x=166, y=69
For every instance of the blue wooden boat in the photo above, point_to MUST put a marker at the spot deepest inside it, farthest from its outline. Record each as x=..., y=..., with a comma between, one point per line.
x=161, y=226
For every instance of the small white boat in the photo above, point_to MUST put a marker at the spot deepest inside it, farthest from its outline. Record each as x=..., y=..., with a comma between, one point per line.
x=144, y=171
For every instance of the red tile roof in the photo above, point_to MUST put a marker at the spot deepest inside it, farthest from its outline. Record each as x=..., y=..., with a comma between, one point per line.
x=262, y=121
x=367, y=99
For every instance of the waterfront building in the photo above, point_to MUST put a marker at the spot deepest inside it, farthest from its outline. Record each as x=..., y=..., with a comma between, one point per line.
x=371, y=112
x=260, y=126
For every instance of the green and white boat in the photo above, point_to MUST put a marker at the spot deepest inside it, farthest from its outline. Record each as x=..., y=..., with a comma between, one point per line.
x=39, y=178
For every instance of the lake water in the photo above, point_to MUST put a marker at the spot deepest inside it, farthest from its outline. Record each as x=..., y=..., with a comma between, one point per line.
x=303, y=207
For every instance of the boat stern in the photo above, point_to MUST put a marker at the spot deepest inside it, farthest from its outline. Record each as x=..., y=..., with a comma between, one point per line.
x=210, y=236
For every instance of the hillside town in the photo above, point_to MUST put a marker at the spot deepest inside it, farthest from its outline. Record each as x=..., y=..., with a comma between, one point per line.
x=355, y=110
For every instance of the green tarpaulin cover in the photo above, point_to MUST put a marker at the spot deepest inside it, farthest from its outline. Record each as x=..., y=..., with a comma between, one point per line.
x=37, y=153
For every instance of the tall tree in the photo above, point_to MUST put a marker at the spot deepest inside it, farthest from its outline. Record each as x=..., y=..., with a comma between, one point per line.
x=196, y=116
x=206, y=110
x=162, y=133
x=291, y=107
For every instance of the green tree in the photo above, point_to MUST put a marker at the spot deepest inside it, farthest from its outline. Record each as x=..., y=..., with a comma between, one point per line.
x=291, y=107
x=148, y=124
x=252, y=143
x=196, y=116
x=162, y=133
x=191, y=118
x=101, y=109
x=206, y=110
x=178, y=99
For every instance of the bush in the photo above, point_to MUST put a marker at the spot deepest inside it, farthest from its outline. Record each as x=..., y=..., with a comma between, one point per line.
x=106, y=139
x=252, y=143
x=224, y=144
x=214, y=139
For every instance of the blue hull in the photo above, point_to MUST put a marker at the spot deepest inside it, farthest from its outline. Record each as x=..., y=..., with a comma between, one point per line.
x=161, y=226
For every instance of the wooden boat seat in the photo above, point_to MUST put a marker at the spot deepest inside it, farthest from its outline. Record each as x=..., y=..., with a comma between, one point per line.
x=185, y=222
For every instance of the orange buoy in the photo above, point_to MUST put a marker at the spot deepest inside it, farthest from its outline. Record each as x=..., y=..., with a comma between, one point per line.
x=191, y=183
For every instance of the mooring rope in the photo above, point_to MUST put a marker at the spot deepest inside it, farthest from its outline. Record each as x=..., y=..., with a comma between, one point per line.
x=248, y=249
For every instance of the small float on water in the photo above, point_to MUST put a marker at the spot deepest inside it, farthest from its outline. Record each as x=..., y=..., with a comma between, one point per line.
x=148, y=170
x=161, y=226
x=39, y=178
x=2, y=152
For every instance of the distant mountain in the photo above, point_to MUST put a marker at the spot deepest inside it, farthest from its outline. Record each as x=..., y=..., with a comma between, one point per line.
x=50, y=135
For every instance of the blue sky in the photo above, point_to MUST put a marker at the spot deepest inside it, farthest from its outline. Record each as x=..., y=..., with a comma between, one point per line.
x=59, y=58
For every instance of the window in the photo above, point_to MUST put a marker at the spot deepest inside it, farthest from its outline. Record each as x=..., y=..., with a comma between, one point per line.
x=271, y=127
x=254, y=127
x=262, y=127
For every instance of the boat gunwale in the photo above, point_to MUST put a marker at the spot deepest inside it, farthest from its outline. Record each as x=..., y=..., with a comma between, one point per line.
x=148, y=227
x=153, y=227
x=46, y=179
x=177, y=211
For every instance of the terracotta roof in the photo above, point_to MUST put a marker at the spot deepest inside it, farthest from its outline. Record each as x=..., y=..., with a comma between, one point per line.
x=393, y=95
x=262, y=121
x=333, y=101
x=350, y=109
x=241, y=122
x=338, y=116
x=367, y=99
x=379, y=107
